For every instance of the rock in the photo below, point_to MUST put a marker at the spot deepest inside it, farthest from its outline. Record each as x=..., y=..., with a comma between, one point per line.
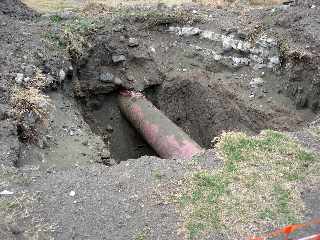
x=19, y=78
x=256, y=59
x=106, y=77
x=72, y=193
x=227, y=43
x=62, y=75
x=189, y=31
x=274, y=60
x=118, y=58
x=240, y=61
x=152, y=49
x=256, y=82
x=105, y=154
x=26, y=80
x=117, y=81
x=210, y=35
x=133, y=42
x=109, y=128
x=109, y=162
x=6, y=192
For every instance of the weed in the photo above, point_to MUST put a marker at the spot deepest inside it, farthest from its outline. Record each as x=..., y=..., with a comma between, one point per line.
x=76, y=35
x=140, y=236
x=157, y=174
x=155, y=18
x=32, y=109
x=55, y=39
x=55, y=18
x=6, y=205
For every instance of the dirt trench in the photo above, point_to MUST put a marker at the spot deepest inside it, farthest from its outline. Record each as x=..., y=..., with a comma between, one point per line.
x=202, y=95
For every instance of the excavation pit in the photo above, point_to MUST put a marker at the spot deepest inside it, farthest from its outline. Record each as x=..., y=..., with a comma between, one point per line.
x=201, y=109
x=203, y=93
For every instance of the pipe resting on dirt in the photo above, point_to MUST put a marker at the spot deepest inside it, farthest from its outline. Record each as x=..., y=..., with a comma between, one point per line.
x=166, y=138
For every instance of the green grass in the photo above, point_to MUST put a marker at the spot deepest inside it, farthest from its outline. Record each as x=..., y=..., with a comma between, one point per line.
x=256, y=190
x=157, y=175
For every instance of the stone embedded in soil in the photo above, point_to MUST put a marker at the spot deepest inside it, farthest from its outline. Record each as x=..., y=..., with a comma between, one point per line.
x=62, y=75
x=118, y=58
x=105, y=154
x=19, y=78
x=256, y=82
x=106, y=77
x=274, y=60
x=117, y=81
x=185, y=31
x=133, y=42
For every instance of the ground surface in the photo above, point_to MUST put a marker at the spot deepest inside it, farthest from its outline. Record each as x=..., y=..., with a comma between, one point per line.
x=63, y=173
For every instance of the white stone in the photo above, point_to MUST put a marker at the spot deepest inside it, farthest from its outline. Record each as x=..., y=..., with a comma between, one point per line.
x=62, y=75
x=19, y=78
x=256, y=82
x=6, y=192
x=72, y=193
x=274, y=60
x=189, y=31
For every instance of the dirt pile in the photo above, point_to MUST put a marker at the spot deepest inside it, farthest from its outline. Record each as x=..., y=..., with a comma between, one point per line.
x=15, y=8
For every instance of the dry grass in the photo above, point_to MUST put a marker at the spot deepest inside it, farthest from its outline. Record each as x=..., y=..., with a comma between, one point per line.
x=257, y=189
x=49, y=6
x=32, y=109
x=30, y=100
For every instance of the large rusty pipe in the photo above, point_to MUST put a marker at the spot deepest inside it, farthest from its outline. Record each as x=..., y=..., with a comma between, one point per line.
x=166, y=138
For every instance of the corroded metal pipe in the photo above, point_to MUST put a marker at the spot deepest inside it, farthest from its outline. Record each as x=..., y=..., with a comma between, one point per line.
x=166, y=138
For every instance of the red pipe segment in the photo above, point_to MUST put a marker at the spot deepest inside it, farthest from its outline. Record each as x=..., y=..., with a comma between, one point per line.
x=166, y=138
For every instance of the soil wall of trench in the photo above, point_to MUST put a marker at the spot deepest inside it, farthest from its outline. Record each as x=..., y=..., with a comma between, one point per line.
x=205, y=80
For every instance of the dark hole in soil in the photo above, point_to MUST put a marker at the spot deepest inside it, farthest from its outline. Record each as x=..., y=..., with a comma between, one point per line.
x=199, y=111
x=124, y=141
x=203, y=111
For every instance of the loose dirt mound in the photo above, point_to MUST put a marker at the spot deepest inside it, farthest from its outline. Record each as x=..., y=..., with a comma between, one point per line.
x=15, y=8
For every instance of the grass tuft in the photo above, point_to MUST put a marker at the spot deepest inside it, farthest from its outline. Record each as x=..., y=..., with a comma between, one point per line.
x=256, y=190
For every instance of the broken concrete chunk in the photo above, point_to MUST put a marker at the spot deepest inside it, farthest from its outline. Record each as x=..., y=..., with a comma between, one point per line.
x=118, y=58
